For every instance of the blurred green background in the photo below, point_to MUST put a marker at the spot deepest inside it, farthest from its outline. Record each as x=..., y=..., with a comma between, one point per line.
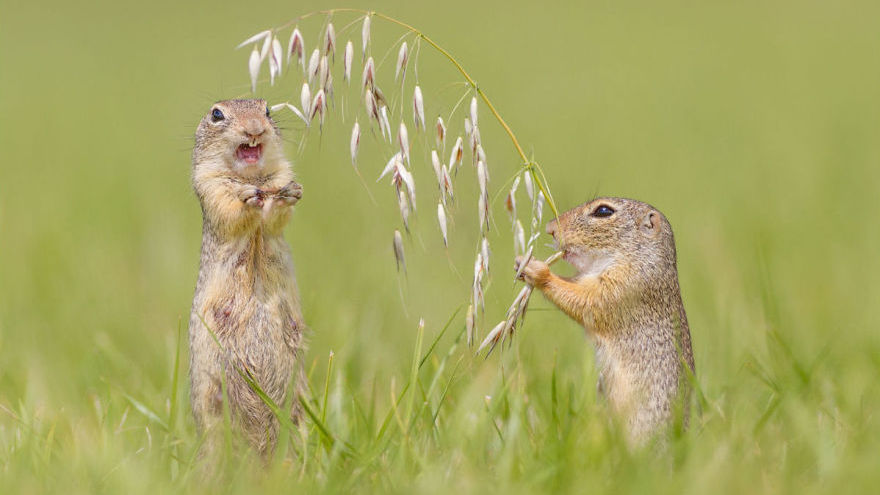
x=752, y=125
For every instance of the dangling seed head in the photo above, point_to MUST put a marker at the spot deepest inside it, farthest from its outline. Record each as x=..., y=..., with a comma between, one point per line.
x=305, y=98
x=296, y=45
x=398, y=250
x=441, y=217
x=367, y=80
x=401, y=61
x=275, y=61
x=297, y=112
x=519, y=238
x=483, y=213
x=418, y=108
x=355, y=141
x=441, y=133
x=446, y=183
x=254, y=68
x=403, y=140
x=384, y=123
x=267, y=45
x=484, y=252
x=404, y=208
x=457, y=152
x=390, y=166
x=347, y=57
x=530, y=189
x=319, y=104
x=255, y=38
x=510, y=203
x=474, y=111
x=330, y=40
x=365, y=35
x=323, y=71
x=314, y=61
x=435, y=162
x=483, y=178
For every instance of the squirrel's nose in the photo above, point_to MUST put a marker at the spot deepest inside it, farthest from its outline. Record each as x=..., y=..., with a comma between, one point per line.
x=551, y=228
x=254, y=128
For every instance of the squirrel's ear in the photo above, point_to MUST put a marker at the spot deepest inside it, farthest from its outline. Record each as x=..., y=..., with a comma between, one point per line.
x=651, y=223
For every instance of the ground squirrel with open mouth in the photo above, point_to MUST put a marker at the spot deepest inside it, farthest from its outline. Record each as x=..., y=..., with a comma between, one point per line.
x=246, y=316
x=627, y=297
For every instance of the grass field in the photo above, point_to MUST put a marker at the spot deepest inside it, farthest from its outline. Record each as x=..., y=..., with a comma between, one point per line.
x=753, y=126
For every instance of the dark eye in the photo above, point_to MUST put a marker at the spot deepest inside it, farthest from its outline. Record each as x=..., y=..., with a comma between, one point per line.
x=267, y=111
x=603, y=211
x=217, y=115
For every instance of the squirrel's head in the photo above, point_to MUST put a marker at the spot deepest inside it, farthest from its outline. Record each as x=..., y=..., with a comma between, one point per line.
x=608, y=231
x=240, y=136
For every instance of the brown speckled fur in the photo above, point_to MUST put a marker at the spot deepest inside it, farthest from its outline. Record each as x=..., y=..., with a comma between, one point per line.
x=626, y=295
x=246, y=291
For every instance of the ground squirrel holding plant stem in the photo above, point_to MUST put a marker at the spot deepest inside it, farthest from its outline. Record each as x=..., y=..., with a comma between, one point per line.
x=626, y=295
x=246, y=316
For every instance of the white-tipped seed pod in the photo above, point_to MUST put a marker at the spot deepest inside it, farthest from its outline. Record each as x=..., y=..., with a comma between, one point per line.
x=474, y=111
x=398, y=250
x=519, y=238
x=369, y=76
x=318, y=106
x=254, y=68
x=297, y=112
x=267, y=46
x=365, y=35
x=407, y=178
x=484, y=251
x=330, y=40
x=483, y=213
x=530, y=189
x=314, y=61
x=305, y=98
x=390, y=166
x=276, y=60
x=539, y=206
x=403, y=140
x=404, y=208
x=384, y=123
x=355, y=142
x=510, y=203
x=347, y=57
x=457, y=152
x=483, y=178
x=372, y=110
x=447, y=183
x=323, y=71
x=401, y=61
x=441, y=217
x=435, y=163
x=295, y=46
x=441, y=134
x=255, y=38
x=492, y=336
x=418, y=108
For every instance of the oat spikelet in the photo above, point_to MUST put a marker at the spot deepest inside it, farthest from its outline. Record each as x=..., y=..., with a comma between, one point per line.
x=264, y=50
x=390, y=166
x=441, y=133
x=254, y=68
x=441, y=217
x=255, y=38
x=323, y=72
x=275, y=61
x=483, y=179
x=319, y=105
x=297, y=112
x=305, y=98
x=355, y=141
x=296, y=46
x=483, y=212
x=401, y=61
x=418, y=108
x=398, y=250
x=405, y=176
x=456, y=155
x=510, y=203
x=365, y=35
x=314, y=60
x=492, y=336
x=447, y=183
x=384, y=123
x=347, y=57
x=403, y=140
x=485, y=252
x=372, y=109
x=474, y=111
x=519, y=238
x=404, y=208
x=530, y=189
x=368, y=79
x=330, y=40
x=435, y=163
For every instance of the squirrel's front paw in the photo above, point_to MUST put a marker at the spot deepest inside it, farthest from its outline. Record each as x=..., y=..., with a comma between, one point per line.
x=535, y=273
x=253, y=196
x=290, y=194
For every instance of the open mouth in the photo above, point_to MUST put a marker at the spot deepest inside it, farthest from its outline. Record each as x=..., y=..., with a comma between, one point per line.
x=249, y=153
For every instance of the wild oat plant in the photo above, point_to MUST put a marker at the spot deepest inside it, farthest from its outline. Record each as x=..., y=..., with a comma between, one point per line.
x=319, y=71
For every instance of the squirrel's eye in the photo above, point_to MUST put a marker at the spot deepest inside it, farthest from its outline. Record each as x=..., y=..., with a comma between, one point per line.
x=603, y=211
x=217, y=115
x=267, y=111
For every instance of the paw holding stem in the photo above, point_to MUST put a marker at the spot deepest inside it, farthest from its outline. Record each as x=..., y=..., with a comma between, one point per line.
x=535, y=272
